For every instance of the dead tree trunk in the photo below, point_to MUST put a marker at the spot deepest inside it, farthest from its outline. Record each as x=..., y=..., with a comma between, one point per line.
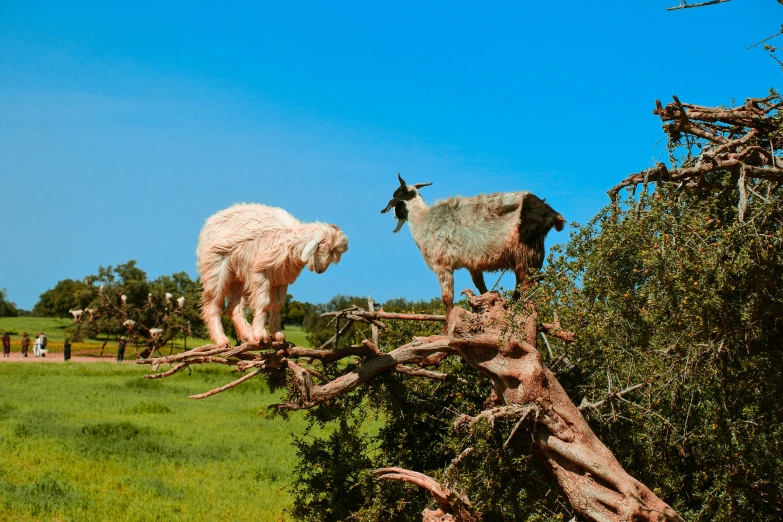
x=501, y=344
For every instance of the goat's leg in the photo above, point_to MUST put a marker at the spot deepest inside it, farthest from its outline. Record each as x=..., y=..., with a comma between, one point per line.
x=277, y=296
x=524, y=283
x=212, y=303
x=446, y=280
x=478, y=280
x=236, y=310
x=211, y=311
x=260, y=299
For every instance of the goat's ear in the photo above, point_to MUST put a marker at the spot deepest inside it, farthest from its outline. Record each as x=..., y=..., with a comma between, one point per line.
x=309, y=248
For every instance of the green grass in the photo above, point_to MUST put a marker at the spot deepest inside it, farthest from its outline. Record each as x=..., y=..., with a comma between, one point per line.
x=54, y=328
x=96, y=442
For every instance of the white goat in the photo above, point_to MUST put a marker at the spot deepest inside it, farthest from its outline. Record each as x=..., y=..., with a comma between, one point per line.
x=250, y=253
x=129, y=324
x=180, y=301
x=155, y=332
x=483, y=233
x=77, y=314
x=90, y=311
x=168, y=297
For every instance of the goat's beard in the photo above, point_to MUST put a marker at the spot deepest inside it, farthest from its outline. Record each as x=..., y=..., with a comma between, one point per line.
x=400, y=223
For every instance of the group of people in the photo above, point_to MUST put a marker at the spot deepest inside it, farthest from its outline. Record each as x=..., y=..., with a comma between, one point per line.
x=39, y=345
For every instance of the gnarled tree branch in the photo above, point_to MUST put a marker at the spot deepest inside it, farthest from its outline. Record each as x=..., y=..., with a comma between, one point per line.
x=741, y=140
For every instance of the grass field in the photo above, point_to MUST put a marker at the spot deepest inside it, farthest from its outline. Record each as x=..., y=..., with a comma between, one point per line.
x=54, y=328
x=96, y=442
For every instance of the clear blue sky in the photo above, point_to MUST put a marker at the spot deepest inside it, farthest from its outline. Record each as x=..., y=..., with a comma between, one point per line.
x=123, y=128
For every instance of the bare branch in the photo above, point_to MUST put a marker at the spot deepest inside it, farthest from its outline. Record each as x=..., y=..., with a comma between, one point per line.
x=686, y=5
x=226, y=387
x=359, y=313
x=730, y=140
x=586, y=405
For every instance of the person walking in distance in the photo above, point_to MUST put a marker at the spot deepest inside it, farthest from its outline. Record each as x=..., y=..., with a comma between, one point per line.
x=44, y=342
x=25, y=344
x=121, y=349
x=37, y=345
x=6, y=344
x=67, y=349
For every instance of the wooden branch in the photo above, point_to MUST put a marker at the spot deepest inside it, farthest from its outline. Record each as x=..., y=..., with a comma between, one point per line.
x=587, y=405
x=685, y=5
x=555, y=330
x=731, y=141
x=420, y=372
x=226, y=387
x=452, y=507
x=336, y=337
x=389, y=315
x=511, y=410
x=407, y=354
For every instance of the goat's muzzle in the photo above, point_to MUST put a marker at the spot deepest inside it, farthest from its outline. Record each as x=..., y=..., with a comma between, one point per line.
x=391, y=204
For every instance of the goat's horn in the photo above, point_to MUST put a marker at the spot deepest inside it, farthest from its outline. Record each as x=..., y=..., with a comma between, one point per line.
x=402, y=181
x=419, y=185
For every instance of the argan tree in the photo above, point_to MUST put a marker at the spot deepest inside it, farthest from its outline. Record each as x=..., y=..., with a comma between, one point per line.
x=662, y=315
x=122, y=302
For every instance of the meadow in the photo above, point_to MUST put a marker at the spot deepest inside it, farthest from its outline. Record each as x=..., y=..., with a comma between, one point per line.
x=55, y=330
x=97, y=442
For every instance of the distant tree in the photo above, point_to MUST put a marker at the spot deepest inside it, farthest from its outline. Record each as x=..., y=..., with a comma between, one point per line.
x=120, y=300
x=294, y=312
x=400, y=304
x=7, y=308
x=66, y=295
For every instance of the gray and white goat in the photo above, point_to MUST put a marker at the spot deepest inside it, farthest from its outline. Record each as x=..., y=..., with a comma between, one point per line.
x=482, y=233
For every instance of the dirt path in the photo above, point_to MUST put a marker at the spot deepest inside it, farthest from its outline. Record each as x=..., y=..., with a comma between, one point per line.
x=57, y=357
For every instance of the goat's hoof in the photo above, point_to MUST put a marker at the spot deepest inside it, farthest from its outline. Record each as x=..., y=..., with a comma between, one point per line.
x=223, y=342
x=279, y=337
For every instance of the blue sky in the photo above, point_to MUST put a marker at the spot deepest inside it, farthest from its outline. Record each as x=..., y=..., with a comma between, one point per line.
x=123, y=128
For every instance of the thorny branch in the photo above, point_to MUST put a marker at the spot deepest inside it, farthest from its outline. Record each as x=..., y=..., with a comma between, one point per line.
x=740, y=140
x=523, y=389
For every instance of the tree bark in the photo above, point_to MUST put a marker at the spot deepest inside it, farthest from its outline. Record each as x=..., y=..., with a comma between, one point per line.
x=596, y=484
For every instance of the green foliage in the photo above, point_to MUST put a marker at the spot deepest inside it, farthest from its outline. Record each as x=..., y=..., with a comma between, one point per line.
x=329, y=472
x=7, y=308
x=677, y=294
x=294, y=312
x=66, y=295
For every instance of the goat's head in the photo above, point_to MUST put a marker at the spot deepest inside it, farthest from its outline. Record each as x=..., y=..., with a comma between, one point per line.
x=323, y=246
x=401, y=195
